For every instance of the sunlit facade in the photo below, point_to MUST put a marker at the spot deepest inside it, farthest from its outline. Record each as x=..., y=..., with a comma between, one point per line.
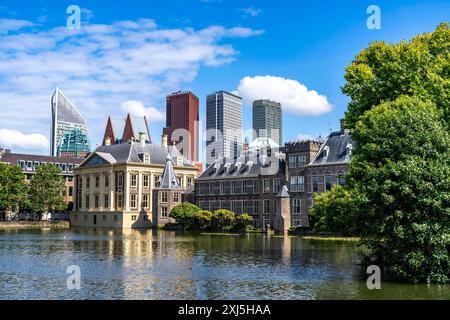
x=65, y=117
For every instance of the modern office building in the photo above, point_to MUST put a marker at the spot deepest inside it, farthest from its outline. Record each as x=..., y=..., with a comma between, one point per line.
x=182, y=112
x=74, y=144
x=65, y=117
x=126, y=130
x=224, y=126
x=268, y=120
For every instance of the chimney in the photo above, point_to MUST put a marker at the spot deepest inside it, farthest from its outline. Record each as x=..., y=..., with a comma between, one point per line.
x=342, y=126
x=164, y=140
x=107, y=141
x=142, y=138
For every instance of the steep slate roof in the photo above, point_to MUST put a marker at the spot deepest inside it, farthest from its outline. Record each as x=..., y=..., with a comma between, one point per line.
x=134, y=153
x=120, y=131
x=169, y=179
x=240, y=169
x=337, y=143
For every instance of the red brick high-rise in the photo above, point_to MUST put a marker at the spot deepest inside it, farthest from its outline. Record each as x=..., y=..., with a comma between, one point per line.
x=182, y=112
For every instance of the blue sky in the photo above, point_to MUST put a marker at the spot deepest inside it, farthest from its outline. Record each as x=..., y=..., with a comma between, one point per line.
x=129, y=54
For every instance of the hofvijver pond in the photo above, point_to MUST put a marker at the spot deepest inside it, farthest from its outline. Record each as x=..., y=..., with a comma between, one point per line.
x=168, y=265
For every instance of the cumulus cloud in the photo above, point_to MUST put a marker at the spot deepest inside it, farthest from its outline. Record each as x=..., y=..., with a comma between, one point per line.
x=99, y=66
x=16, y=139
x=137, y=108
x=295, y=98
x=251, y=11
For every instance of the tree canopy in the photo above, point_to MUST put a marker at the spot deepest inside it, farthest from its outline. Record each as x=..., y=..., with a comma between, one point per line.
x=383, y=72
x=401, y=171
x=13, y=190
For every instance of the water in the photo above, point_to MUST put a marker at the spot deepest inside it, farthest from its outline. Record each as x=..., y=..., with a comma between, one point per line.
x=169, y=265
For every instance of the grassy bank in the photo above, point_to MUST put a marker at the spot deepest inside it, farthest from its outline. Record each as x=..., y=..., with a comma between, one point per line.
x=35, y=225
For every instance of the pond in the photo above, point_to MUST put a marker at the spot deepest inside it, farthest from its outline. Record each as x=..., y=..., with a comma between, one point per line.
x=155, y=265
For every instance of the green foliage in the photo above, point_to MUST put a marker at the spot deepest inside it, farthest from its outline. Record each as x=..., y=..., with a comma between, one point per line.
x=184, y=212
x=222, y=218
x=401, y=172
x=13, y=189
x=201, y=219
x=243, y=222
x=334, y=211
x=383, y=72
x=47, y=189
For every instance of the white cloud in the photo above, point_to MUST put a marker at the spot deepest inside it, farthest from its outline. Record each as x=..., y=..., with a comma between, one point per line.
x=251, y=11
x=295, y=98
x=8, y=25
x=99, y=66
x=136, y=108
x=16, y=139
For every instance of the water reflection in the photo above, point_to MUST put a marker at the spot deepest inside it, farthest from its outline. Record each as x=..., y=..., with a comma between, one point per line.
x=153, y=264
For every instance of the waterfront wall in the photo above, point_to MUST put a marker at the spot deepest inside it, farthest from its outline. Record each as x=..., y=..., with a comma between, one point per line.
x=35, y=224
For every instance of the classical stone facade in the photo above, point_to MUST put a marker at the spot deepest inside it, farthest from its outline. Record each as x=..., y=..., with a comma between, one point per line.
x=114, y=185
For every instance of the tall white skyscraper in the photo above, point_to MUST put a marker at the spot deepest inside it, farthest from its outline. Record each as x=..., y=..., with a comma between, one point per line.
x=223, y=125
x=65, y=117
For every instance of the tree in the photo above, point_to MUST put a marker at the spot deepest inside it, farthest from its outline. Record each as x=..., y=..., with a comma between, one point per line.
x=47, y=188
x=334, y=211
x=184, y=212
x=200, y=219
x=242, y=221
x=221, y=218
x=401, y=172
x=13, y=189
x=383, y=72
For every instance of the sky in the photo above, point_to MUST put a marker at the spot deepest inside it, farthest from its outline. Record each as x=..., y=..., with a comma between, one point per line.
x=128, y=55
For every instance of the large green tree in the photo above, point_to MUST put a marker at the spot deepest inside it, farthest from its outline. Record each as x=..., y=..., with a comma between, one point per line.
x=401, y=171
x=184, y=212
x=221, y=218
x=383, y=72
x=334, y=211
x=47, y=189
x=13, y=190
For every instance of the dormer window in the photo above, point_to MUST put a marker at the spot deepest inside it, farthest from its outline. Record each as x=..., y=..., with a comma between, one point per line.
x=146, y=157
x=348, y=151
x=179, y=161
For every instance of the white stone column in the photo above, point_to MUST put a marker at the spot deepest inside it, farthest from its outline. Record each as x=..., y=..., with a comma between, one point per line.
x=112, y=193
x=139, y=190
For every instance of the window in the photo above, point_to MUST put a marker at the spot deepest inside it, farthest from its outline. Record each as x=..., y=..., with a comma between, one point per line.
x=85, y=217
x=96, y=202
x=119, y=181
x=266, y=206
x=119, y=201
x=341, y=180
x=145, y=181
x=133, y=202
x=104, y=217
x=164, y=197
x=157, y=181
x=133, y=218
x=133, y=181
x=145, y=201
x=226, y=187
x=297, y=183
x=250, y=186
x=70, y=179
x=97, y=181
x=76, y=217
x=296, y=206
x=328, y=182
x=314, y=183
x=176, y=197
x=106, y=201
x=296, y=223
x=301, y=161
x=146, y=157
x=88, y=182
x=63, y=166
x=87, y=202
x=145, y=217
x=292, y=162
x=115, y=217
x=70, y=192
x=70, y=168
x=106, y=181
x=276, y=185
x=164, y=212
x=190, y=181
x=266, y=185
x=238, y=186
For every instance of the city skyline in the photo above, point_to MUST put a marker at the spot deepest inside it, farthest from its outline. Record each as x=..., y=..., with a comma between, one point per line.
x=206, y=49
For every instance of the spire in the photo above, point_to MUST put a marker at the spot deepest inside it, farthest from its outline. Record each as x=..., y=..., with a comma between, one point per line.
x=284, y=193
x=128, y=132
x=109, y=132
x=169, y=179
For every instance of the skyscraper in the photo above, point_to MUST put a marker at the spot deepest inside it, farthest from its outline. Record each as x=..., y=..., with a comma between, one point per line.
x=223, y=125
x=182, y=112
x=65, y=117
x=268, y=120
